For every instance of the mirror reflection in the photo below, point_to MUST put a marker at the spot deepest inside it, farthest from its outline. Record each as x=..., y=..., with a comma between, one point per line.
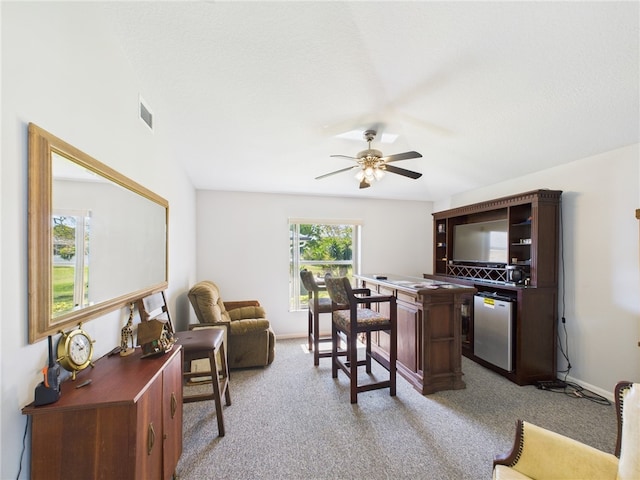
x=97, y=240
x=101, y=232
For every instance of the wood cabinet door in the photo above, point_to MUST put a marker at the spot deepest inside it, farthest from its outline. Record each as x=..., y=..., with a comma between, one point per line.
x=149, y=428
x=172, y=415
x=86, y=443
x=408, y=321
x=409, y=316
x=382, y=338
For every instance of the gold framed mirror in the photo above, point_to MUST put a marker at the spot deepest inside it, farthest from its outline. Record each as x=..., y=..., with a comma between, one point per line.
x=97, y=239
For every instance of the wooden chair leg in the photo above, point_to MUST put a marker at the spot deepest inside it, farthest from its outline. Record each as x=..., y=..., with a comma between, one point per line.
x=368, y=352
x=334, y=351
x=310, y=330
x=216, y=392
x=316, y=338
x=393, y=357
x=224, y=375
x=353, y=366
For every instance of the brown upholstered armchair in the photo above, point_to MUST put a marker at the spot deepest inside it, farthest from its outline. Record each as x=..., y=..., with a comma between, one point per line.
x=541, y=454
x=250, y=339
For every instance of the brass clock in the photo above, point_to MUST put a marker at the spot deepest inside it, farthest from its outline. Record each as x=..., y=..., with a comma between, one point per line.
x=75, y=350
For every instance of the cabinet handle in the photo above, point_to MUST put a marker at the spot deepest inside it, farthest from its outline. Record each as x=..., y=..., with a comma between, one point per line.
x=174, y=404
x=151, y=439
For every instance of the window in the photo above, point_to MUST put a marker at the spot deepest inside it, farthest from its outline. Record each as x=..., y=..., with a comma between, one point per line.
x=327, y=247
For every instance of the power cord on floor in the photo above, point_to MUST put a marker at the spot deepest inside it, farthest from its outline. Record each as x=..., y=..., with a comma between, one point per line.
x=581, y=392
x=573, y=390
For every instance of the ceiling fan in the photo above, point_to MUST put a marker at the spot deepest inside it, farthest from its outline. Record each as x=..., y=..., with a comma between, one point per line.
x=372, y=165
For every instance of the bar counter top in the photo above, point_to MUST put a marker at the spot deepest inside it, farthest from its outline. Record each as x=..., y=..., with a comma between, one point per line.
x=424, y=286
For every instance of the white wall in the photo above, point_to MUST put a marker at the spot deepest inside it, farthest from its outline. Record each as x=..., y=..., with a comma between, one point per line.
x=601, y=275
x=62, y=71
x=243, y=243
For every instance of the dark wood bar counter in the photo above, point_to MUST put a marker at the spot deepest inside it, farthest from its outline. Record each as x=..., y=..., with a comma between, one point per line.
x=429, y=329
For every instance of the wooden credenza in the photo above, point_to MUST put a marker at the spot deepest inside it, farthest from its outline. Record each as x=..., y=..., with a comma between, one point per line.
x=429, y=330
x=127, y=424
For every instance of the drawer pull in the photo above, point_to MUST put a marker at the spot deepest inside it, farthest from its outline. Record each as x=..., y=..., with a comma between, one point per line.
x=151, y=439
x=174, y=404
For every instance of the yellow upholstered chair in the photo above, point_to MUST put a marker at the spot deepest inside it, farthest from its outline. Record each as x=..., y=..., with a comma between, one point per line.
x=353, y=317
x=541, y=454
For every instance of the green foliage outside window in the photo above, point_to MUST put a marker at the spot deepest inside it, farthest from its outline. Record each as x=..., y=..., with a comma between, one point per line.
x=322, y=249
x=64, y=237
x=327, y=242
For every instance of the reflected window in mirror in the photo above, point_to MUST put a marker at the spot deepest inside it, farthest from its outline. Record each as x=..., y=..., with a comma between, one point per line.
x=70, y=265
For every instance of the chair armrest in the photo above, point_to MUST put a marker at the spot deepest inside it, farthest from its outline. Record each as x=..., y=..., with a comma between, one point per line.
x=241, y=303
x=541, y=453
x=376, y=299
x=363, y=295
x=246, y=312
x=363, y=291
x=249, y=326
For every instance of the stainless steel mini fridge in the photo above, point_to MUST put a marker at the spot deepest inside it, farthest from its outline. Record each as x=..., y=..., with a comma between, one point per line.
x=493, y=330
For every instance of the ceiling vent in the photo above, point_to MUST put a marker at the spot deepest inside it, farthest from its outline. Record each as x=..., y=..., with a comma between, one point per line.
x=145, y=114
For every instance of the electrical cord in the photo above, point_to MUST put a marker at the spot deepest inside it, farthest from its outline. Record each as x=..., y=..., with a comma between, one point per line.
x=575, y=391
x=24, y=446
x=581, y=392
x=563, y=302
x=570, y=389
x=562, y=350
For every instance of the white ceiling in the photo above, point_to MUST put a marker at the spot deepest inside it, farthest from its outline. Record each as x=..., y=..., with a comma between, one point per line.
x=253, y=94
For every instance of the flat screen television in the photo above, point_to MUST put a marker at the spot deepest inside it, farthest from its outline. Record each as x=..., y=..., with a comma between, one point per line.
x=481, y=243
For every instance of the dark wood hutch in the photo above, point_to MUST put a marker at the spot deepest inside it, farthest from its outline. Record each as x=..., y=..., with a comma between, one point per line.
x=529, y=279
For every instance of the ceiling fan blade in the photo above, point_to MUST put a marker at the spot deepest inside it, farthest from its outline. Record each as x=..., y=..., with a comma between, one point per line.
x=337, y=171
x=401, y=156
x=343, y=156
x=402, y=171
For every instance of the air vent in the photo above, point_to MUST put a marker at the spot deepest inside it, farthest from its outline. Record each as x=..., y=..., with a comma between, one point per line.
x=145, y=114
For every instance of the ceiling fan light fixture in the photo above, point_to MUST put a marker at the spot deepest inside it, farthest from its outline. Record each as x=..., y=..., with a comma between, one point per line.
x=368, y=173
x=372, y=165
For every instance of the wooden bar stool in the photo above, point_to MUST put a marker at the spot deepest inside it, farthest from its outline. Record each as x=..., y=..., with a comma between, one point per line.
x=197, y=344
x=316, y=306
x=359, y=321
